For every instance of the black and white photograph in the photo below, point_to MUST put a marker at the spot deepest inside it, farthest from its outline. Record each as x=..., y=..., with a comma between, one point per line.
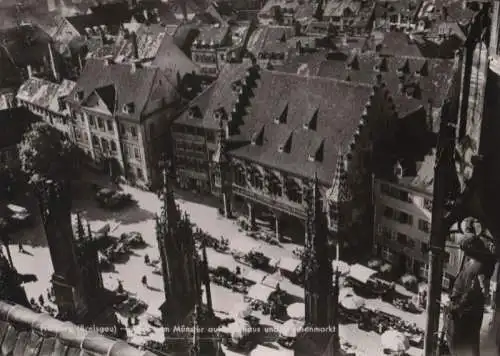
x=249, y=177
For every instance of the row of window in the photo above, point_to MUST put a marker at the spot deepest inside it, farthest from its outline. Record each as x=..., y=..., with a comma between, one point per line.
x=403, y=195
x=423, y=269
x=406, y=241
x=197, y=165
x=128, y=131
x=197, y=131
x=132, y=152
x=204, y=58
x=209, y=70
x=104, y=144
x=189, y=146
x=101, y=124
x=405, y=218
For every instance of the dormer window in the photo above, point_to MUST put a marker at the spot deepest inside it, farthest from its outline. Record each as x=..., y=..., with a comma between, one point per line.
x=311, y=124
x=60, y=103
x=220, y=114
x=285, y=147
x=237, y=87
x=404, y=68
x=194, y=112
x=353, y=64
x=376, y=67
x=423, y=70
x=257, y=137
x=129, y=108
x=281, y=119
x=79, y=95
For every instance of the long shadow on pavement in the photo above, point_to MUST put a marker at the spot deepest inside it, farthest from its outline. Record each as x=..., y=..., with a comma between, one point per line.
x=129, y=215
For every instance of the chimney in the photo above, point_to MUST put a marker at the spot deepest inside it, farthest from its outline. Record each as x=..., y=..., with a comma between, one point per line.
x=401, y=88
x=135, y=49
x=30, y=71
x=53, y=67
x=134, y=66
x=445, y=13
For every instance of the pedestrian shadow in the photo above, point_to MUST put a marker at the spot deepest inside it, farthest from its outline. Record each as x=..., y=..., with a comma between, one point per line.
x=128, y=215
x=154, y=289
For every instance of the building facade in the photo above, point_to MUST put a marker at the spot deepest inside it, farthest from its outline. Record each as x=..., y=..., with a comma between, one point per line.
x=402, y=230
x=46, y=99
x=121, y=114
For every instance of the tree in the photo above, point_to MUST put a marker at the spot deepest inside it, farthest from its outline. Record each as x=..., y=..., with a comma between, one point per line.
x=46, y=154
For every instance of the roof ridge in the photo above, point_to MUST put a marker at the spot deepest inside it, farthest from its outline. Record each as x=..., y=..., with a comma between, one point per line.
x=317, y=77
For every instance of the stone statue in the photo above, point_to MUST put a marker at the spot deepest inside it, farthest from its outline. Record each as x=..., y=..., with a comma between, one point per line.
x=465, y=312
x=11, y=283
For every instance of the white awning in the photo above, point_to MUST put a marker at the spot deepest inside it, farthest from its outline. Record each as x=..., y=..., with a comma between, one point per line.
x=289, y=264
x=260, y=292
x=267, y=351
x=361, y=273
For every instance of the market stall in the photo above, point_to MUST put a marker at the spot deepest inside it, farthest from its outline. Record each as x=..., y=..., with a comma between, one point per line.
x=296, y=311
x=352, y=302
x=288, y=266
x=361, y=273
x=259, y=293
x=395, y=342
x=341, y=267
x=291, y=328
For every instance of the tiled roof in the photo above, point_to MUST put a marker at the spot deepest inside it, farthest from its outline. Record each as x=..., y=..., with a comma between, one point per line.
x=432, y=84
x=212, y=33
x=270, y=39
x=111, y=20
x=337, y=8
x=335, y=106
x=171, y=60
x=407, y=8
x=14, y=122
x=44, y=93
x=38, y=92
x=130, y=86
x=402, y=44
x=26, y=44
x=218, y=95
x=149, y=40
x=24, y=332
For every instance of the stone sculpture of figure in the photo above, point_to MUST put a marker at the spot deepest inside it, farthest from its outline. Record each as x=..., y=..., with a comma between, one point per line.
x=465, y=313
x=11, y=281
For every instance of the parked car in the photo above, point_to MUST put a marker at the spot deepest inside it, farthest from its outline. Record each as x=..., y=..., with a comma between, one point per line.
x=112, y=199
x=132, y=239
x=154, y=321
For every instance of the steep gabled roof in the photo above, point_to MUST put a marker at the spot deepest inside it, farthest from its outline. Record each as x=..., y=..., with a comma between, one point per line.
x=337, y=104
x=132, y=86
x=171, y=60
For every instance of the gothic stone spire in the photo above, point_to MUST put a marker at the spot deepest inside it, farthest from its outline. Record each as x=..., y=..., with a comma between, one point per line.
x=317, y=263
x=170, y=215
x=340, y=192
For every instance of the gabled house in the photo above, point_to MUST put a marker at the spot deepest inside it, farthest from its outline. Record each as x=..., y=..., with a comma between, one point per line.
x=121, y=113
